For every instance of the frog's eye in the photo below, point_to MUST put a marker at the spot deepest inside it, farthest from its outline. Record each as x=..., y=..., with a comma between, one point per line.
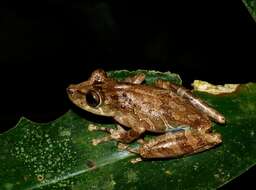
x=92, y=98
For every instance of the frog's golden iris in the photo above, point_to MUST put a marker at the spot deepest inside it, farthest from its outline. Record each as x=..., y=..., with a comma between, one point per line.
x=92, y=98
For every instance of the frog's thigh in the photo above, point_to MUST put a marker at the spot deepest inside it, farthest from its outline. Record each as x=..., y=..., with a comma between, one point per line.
x=178, y=144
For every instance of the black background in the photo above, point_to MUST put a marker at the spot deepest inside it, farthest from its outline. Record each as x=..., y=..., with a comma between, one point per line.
x=46, y=45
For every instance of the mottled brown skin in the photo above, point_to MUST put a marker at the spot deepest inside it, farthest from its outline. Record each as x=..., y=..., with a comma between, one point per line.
x=159, y=109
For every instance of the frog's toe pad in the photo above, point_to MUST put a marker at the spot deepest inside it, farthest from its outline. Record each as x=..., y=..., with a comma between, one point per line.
x=100, y=140
x=141, y=141
x=136, y=160
x=122, y=146
x=92, y=127
x=96, y=141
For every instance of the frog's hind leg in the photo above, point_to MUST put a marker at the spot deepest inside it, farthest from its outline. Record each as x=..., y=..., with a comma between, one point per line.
x=179, y=143
x=195, y=101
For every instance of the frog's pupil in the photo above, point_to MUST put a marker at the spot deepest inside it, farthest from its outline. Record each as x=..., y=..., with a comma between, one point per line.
x=92, y=98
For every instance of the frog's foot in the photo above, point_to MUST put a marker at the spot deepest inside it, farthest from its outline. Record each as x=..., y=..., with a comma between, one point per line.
x=118, y=134
x=114, y=134
x=97, y=141
x=122, y=147
x=136, y=160
x=141, y=141
x=119, y=129
x=93, y=127
x=101, y=140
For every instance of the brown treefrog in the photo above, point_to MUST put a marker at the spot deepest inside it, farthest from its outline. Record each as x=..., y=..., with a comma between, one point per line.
x=181, y=119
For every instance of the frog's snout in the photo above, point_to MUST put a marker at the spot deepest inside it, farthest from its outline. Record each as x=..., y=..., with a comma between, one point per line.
x=71, y=90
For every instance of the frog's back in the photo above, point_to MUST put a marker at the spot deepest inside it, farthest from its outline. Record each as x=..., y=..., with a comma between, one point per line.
x=160, y=107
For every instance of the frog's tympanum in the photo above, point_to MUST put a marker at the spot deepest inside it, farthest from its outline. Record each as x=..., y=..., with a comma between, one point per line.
x=181, y=119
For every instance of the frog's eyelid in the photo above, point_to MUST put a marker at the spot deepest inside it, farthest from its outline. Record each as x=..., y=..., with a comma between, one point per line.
x=97, y=82
x=80, y=92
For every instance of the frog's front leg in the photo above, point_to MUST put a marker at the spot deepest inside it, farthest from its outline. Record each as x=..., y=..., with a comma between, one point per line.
x=195, y=101
x=177, y=144
x=136, y=79
x=118, y=134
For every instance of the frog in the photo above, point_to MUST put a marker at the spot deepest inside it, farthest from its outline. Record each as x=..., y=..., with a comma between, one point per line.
x=180, y=121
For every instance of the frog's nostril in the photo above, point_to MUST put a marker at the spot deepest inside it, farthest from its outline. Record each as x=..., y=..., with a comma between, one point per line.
x=70, y=90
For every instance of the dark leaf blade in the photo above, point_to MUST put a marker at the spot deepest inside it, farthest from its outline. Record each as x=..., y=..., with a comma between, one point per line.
x=59, y=154
x=52, y=154
x=237, y=151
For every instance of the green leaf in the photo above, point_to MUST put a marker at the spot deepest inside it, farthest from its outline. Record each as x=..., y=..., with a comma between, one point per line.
x=251, y=6
x=59, y=154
